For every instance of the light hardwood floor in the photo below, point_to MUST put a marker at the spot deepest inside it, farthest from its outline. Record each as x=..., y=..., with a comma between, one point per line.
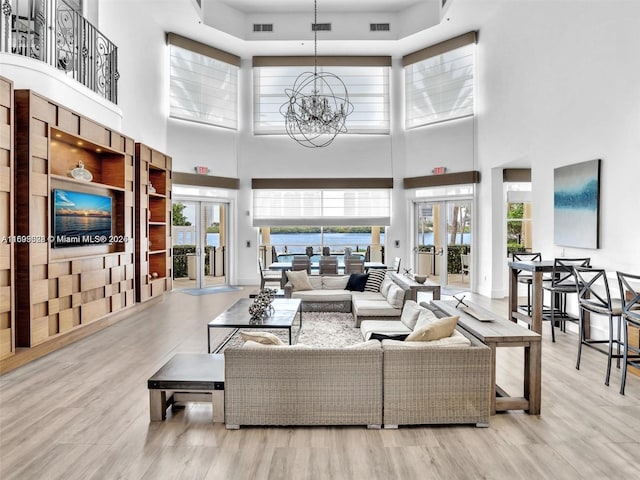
x=82, y=413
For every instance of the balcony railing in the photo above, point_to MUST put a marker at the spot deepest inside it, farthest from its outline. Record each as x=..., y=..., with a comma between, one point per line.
x=53, y=32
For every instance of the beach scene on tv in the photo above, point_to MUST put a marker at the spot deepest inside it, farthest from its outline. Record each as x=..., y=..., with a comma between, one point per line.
x=81, y=218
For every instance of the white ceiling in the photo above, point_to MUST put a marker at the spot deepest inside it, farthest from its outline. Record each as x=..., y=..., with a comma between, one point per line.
x=228, y=24
x=300, y=6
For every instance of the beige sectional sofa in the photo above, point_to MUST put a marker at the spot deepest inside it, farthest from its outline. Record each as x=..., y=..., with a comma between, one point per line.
x=390, y=382
x=296, y=385
x=328, y=293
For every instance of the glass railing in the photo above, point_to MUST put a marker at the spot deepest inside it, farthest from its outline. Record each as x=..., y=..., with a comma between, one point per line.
x=53, y=32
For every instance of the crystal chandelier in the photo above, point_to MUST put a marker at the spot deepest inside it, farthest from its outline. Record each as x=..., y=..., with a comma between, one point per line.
x=318, y=103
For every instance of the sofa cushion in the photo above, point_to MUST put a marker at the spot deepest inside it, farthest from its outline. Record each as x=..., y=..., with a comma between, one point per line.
x=335, y=283
x=266, y=338
x=315, y=281
x=386, y=285
x=375, y=308
x=395, y=296
x=299, y=279
x=322, y=295
x=384, y=327
x=455, y=340
x=440, y=328
x=375, y=279
x=368, y=296
x=410, y=312
x=357, y=281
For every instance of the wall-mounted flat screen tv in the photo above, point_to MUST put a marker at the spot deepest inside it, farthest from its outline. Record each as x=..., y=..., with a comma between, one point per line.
x=80, y=219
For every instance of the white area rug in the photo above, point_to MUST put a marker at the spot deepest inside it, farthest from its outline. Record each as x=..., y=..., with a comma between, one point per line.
x=319, y=329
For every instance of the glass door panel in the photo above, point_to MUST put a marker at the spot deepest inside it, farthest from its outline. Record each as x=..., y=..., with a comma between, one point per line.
x=199, y=244
x=443, y=242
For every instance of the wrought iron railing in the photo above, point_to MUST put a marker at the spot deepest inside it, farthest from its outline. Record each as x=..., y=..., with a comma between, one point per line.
x=53, y=32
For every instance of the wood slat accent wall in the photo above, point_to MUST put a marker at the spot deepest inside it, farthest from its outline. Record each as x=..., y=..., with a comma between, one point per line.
x=154, y=263
x=60, y=290
x=7, y=191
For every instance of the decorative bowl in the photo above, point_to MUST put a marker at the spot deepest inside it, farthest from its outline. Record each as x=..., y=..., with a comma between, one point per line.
x=420, y=278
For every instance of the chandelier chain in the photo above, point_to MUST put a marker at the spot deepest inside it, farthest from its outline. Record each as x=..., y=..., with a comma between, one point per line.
x=318, y=103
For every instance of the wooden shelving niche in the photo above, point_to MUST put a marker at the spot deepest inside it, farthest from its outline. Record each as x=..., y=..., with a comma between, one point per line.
x=153, y=223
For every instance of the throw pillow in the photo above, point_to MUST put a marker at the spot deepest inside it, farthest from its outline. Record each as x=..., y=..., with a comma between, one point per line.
x=356, y=282
x=424, y=317
x=386, y=285
x=266, y=338
x=395, y=296
x=335, y=283
x=376, y=277
x=299, y=280
x=440, y=328
x=410, y=312
x=383, y=336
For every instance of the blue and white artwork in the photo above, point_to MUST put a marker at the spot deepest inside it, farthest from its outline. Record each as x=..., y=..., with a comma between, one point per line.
x=576, y=202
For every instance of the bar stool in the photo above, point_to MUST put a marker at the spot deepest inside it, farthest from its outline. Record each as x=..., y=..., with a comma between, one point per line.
x=561, y=283
x=594, y=297
x=526, y=278
x=630, y=297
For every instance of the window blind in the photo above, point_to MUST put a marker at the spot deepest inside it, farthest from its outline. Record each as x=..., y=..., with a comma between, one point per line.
x=202, y=88
x=368, y=88
x=350, y=207
x=440, y=87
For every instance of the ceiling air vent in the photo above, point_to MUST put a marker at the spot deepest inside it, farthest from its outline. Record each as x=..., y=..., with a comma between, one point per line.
x=263, y=27
x=320, y=27
x=379, y=27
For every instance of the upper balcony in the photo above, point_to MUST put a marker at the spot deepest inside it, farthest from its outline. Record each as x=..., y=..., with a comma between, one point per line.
x=51, y=31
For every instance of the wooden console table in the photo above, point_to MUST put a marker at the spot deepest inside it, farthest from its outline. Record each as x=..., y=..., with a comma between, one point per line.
x=503, y=333
x=414, y=287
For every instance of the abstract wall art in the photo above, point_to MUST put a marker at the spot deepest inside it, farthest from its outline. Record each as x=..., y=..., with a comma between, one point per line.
x=576, y=205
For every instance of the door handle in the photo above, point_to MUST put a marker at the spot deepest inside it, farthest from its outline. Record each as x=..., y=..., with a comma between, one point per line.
x=439, y=251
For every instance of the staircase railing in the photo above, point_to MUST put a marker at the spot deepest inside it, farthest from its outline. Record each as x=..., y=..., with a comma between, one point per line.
x=53, y=32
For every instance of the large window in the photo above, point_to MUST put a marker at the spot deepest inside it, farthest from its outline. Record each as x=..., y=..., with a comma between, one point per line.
x=439, y=82
x=322, y=207
x=202, y=88
x=368, y=88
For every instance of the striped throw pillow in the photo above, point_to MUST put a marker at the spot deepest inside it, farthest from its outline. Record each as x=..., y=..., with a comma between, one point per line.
x=376, y=277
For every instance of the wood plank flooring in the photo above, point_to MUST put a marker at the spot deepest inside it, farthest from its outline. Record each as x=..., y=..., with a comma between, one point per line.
x=82, y=413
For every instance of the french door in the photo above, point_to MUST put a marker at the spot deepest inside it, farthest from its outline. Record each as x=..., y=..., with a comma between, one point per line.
x=199, y=243
x=443, y=242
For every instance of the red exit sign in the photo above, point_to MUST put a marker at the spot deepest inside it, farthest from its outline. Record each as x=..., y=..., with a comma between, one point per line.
x=201, y=170
x=439, y=170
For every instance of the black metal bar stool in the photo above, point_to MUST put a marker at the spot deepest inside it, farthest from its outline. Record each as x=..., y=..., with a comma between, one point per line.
x=526, y=278
x=594, y=296
x=630, y=296
x=562, y=282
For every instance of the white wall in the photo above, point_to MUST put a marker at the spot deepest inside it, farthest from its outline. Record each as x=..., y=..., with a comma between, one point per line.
x=142, y=64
